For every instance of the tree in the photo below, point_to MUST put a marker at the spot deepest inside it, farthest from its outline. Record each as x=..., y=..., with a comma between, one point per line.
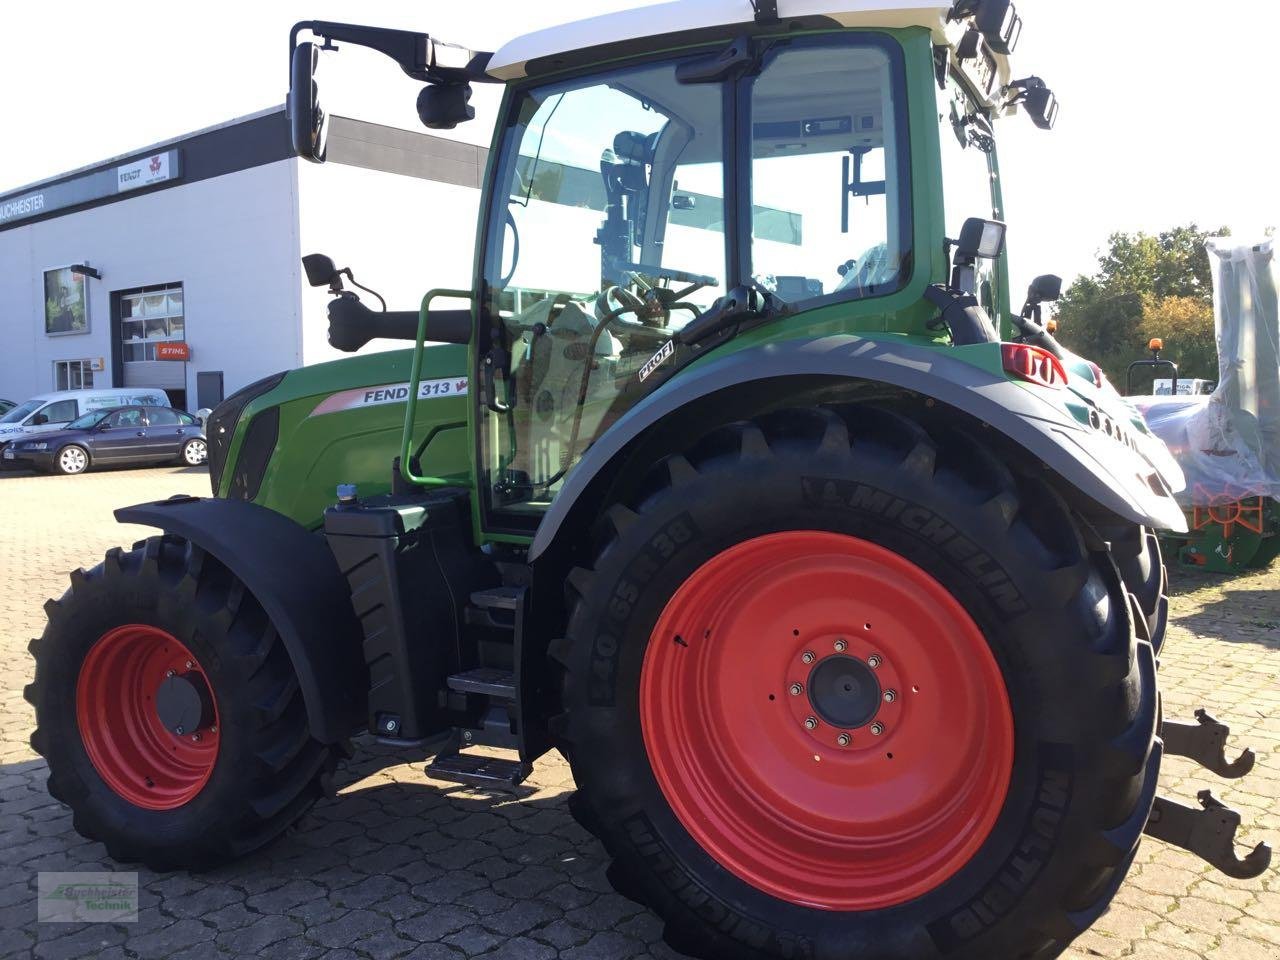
x=1146, y=286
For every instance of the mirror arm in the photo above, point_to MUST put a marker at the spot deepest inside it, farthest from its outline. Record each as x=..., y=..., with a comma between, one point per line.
x=416, y=53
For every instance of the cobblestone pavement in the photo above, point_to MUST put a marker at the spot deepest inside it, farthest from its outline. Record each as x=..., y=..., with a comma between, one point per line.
x=398, y=866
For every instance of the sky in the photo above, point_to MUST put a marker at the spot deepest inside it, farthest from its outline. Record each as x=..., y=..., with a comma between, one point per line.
x=1167, y=105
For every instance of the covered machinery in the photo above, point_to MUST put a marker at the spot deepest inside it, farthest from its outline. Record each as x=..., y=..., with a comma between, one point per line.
x=1228, y=443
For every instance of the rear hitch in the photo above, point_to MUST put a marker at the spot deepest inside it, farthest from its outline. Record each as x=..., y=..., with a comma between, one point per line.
x=1205, y=742
x=1209, y=833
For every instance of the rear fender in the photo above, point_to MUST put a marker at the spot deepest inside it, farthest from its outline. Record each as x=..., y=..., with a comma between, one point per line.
x=293, y=574
x=1119, y=479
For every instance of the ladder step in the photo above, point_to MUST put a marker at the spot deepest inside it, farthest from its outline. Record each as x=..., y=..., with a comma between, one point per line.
x=471, y=768
x=498, y=598
x=490, y=681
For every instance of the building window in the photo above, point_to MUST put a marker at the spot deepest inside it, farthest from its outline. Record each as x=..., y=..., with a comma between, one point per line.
x=72, y=374
x=150, y=317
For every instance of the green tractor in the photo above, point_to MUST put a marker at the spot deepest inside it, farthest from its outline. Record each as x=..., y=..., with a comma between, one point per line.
x=738, y=479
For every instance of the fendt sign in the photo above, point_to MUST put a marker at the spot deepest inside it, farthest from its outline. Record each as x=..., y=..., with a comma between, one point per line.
x=157, y=168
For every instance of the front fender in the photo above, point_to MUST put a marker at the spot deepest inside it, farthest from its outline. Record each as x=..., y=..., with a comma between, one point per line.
x=1119, y=478
x=293, y=574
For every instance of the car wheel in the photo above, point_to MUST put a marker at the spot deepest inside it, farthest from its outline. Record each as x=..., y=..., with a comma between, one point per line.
x=195, y=452
x=71, y=459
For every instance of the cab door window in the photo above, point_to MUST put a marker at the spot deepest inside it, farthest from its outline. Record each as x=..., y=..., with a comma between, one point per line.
x=606, y=236
x=831, y=211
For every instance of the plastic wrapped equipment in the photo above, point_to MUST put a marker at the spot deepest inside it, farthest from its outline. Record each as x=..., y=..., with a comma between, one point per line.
x=1228, y=444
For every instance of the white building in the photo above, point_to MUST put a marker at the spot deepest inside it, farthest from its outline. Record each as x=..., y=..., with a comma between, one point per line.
x=184, y=256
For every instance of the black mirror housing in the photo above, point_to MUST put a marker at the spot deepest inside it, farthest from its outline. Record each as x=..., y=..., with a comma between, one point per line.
x=442, y=106
x=320, y=269
x=1045, y=289
x=308, y=124
x=980, y=240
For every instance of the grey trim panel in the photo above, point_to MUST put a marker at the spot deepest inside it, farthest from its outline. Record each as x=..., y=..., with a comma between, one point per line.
x=1088, y=460
x=293, y=574
x=373, y=146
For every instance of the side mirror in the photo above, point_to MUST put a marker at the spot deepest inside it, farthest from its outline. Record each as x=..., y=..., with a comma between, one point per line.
x=308, y=124
x=320, y=270
x=980, y=240
x=1046, y=289
x=442, y=106
x=39, y=420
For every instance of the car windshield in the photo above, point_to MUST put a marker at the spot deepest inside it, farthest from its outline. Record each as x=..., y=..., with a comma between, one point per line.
x=87, y=420
x=22, y=411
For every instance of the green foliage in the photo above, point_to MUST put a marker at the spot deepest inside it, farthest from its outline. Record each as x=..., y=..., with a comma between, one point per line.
x=1145, y=286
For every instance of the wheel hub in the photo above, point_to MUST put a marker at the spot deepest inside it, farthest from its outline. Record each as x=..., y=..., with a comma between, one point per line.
x=183, y=703
x=844, y=692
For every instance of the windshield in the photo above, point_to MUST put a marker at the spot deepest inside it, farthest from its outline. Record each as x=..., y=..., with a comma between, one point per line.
x=968, y=174
x=87, y=420
x=22, y=411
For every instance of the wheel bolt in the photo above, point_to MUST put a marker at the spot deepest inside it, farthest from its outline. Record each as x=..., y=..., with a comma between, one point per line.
x=213, y=729
x=196, y=738
x=841, y=646
x=844, y=739
x=873, y=661
x=809, y=656
x=190, y=664
x=877, y=729
x=179, y=731
x=170, y=673
x=796, y=689
x=811, y=723
x=890, y=696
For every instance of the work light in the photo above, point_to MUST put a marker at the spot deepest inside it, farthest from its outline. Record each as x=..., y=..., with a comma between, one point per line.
x=998, y=21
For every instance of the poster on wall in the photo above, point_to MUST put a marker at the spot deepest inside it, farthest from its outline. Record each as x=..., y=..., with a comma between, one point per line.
x=66, y=302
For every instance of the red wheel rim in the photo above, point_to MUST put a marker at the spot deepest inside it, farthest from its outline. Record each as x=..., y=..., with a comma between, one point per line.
x=133, y=751
x=784, y=802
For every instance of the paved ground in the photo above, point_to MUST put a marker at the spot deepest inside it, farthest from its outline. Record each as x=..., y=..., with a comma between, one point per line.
x=398, y=866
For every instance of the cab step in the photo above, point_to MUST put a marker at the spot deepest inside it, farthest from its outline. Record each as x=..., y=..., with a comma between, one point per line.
x=497, y=607
x=477, y=770
x=489, y=681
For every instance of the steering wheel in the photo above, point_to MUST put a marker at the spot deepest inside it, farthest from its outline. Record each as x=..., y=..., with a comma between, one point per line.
x=515, y=249
x=627, y=302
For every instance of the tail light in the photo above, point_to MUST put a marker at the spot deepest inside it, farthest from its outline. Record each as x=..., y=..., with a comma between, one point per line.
x=1033, y=364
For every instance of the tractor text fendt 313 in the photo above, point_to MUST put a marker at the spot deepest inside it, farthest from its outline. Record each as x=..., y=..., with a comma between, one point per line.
x=739, y=479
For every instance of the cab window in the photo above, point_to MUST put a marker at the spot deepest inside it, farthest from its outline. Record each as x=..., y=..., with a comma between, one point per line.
x=831, y=204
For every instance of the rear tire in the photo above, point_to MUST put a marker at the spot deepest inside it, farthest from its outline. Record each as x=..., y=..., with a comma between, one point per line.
x=1040, y=586
x=262, y=769
x=1138, y=555
x=194, y=452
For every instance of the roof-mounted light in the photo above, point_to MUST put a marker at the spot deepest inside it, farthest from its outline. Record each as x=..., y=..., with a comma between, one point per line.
x=997, y=20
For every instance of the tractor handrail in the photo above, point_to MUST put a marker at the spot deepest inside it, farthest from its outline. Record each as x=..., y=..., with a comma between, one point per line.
x=415, y=380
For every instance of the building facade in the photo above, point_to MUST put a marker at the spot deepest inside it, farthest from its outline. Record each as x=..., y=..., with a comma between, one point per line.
x=179, y=266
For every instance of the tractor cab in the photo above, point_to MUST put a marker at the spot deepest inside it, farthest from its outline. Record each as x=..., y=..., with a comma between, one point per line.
x=650, y=199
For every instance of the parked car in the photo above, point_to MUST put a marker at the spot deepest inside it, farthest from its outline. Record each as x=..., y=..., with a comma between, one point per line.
x=53, y=411
x=124, y=435
x=6, y=406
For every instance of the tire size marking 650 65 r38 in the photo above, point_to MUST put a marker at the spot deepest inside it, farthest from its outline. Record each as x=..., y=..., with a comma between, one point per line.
x=664, y=545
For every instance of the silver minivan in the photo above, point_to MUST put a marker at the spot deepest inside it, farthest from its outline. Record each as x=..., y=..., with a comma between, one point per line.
x=50, y=411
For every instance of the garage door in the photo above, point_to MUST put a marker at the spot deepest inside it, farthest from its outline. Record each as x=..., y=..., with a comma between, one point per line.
x=148, y=318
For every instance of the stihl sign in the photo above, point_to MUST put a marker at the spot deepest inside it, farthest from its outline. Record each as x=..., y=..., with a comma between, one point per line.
x=173, y=351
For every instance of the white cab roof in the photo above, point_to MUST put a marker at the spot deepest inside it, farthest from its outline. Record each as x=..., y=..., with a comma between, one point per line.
x=665, y=19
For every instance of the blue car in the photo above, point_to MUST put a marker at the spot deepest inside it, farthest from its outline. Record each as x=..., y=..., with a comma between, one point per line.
x=114, y=437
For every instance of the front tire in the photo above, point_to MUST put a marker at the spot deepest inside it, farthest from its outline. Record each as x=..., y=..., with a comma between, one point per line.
x=71, y=459
x=997, y=809
x=151, y=642
x=195, y=452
